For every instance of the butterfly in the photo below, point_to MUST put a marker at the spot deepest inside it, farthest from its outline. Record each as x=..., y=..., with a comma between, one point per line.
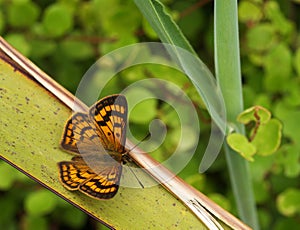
x=97, y=138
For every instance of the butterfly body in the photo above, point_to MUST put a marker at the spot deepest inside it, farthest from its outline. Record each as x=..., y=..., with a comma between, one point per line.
x=97, y=139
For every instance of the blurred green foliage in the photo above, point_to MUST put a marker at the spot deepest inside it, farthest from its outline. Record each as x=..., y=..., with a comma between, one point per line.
x=64, y=38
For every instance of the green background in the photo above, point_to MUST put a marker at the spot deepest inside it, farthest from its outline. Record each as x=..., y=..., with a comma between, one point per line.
x=64, y=38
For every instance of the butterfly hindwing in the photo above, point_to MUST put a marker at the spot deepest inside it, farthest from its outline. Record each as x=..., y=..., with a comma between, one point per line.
x=103, y=185
x=73, y=173
x=77, y=175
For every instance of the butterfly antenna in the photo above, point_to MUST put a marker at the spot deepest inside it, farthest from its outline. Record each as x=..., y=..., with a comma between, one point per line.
x=145, y=138
x=136, y=177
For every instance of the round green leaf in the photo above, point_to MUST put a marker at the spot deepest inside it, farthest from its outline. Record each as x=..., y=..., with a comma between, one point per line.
x=261, y=37
x=111, y=19
x=19, y=42
x=268, y=137
x=240, y=144
x=40, y=203
x=278, y=67
x=248, y=11
x=7, y=175
x=58, y=19
x=288, y=202
x=22, y=14
x=253, y=114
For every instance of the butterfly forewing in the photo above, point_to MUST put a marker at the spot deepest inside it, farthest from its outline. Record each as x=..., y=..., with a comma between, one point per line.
x=110, y=117
x=98, y=139
x=80, y=134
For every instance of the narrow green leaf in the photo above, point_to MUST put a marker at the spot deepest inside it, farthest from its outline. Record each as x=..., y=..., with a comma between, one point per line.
x=226, y=44
x=195, y=69
x=163, y=24
x=228, y=73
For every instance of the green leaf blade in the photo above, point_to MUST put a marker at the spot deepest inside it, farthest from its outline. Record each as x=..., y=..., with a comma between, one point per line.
x=163, y=24
x=37, y=118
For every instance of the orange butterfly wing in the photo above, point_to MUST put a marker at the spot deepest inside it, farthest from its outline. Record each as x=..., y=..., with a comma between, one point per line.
x=105, y=125
x=77, y=175
x=86, y=135
x=110, y=117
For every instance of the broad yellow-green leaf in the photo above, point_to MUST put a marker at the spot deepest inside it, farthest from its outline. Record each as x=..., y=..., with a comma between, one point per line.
x=32, y=121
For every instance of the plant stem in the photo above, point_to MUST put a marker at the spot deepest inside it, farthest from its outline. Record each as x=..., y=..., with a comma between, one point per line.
x=227, y=60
